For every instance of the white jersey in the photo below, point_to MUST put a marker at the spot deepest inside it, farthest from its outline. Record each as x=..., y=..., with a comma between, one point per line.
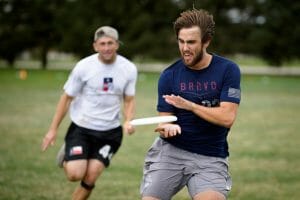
x=98, y=90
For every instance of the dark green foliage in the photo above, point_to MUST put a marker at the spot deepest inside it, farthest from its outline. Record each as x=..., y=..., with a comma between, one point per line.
x=264, y=28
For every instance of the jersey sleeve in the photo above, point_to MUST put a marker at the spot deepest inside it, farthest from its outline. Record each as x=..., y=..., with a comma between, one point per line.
x=130, y=87
x=74, y=84
x=165, y=88
x=231, y=90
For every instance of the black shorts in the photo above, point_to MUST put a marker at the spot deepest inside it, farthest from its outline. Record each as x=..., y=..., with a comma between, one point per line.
x=82, y=143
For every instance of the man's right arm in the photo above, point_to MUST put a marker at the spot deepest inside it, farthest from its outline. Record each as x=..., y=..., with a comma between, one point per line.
x=167, y=130
x=61, y=110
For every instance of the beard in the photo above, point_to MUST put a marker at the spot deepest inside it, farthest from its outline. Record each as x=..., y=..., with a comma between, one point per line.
x=197, y=59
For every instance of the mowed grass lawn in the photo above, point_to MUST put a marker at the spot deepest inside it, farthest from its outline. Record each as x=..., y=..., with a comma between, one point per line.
x=264, y=142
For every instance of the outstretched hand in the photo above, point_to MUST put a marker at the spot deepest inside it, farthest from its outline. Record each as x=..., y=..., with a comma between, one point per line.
x=168, y=130
x=49, y=140
x=178, y=102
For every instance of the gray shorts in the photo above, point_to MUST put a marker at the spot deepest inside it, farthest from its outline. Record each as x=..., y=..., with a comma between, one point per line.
x=168, y=169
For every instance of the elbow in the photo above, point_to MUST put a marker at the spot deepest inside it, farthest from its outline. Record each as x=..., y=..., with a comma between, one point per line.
x=227, y=125
x=228, y=122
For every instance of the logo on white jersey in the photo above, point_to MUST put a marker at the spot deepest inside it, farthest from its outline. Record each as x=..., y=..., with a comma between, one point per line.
x=108, y=84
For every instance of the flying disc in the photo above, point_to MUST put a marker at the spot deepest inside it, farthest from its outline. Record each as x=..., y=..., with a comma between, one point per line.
x=153, y=120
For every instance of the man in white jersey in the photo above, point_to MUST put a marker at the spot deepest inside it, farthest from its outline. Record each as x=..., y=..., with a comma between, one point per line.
x=94, y=93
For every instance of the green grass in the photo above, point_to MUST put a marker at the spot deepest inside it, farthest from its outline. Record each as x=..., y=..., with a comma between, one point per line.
x=264, y=142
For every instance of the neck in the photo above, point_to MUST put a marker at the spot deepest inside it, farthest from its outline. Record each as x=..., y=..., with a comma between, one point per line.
x=107, y=61
x=203, y=63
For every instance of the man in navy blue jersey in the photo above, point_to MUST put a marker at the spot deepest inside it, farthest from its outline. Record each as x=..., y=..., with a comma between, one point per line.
x=203, y=91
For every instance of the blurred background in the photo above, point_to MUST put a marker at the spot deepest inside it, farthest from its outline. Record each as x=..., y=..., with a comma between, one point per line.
x=41, y=40
x=48, y=31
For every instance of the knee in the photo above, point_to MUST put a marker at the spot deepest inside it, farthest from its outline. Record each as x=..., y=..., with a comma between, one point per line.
x=75, y=171
x=74, y=175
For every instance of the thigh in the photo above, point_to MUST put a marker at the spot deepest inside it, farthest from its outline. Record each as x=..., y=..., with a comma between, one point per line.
x=211, y=178
x=94, y=170
x=162, y=183
x=162, y=177
x=209, y=195
x=76, y=144
x=75, y=170
x=104, y=149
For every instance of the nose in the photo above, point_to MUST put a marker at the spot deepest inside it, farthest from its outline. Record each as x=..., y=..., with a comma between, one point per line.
x=185, y=46
x=106, y=46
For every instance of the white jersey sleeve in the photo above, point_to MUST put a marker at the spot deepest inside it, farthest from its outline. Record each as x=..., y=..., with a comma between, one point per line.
x=130, y=87
x=75, y=83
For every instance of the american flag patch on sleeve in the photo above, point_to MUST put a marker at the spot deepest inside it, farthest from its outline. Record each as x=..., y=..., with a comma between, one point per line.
x=234, y=93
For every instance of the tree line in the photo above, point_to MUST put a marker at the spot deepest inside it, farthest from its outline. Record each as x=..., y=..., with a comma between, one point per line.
x=264, y=28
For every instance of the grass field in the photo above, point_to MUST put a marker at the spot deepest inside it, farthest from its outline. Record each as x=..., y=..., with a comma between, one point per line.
x=264, y=142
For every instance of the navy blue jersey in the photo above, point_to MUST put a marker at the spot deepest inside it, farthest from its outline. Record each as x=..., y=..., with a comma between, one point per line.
x=219, y=82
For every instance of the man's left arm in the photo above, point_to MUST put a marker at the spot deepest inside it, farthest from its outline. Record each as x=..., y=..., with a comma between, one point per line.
x=223, y=115
x=129, y=111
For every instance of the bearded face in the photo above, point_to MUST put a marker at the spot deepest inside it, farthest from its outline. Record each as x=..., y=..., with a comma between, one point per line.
x=190, y=46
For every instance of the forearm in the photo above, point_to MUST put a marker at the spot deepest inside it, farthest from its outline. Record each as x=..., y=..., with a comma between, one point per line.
x=61, y=110
x=129, y=108
x=224, y=115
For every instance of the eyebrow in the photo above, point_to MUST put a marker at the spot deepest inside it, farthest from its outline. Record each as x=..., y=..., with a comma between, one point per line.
x=187, y=41
x=106, y=42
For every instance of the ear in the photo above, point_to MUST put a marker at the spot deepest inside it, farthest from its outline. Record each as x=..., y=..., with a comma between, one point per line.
x=95, y=47
x=118, y=45
x=207, y=43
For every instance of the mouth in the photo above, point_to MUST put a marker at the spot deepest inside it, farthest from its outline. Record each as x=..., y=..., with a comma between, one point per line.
x=187, y=56
x=107, y=55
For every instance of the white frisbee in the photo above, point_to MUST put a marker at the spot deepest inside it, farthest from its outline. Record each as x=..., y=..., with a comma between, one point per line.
x=153, y=120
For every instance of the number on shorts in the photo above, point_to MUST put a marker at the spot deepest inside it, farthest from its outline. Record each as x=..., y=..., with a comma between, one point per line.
x=104, y=151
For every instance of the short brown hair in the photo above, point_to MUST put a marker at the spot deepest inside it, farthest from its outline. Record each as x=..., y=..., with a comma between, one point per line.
x=200, y=18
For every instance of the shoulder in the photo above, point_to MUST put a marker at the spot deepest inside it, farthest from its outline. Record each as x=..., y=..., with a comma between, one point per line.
x=177, y=65
x=87, y=60
x=124, y=61
x=126, y=67
x=125, y=64
x=225, y=66
x=225, y=62
x=167, y=75
x=84, y=63
x=85, y=66
x=228, y=69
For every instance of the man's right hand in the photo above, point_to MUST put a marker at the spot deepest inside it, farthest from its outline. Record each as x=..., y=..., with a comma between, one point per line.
x=49, y=139
x=168, y=130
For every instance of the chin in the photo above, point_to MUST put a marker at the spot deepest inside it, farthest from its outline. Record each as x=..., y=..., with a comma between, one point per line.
x=108, y=60
x=187, y=63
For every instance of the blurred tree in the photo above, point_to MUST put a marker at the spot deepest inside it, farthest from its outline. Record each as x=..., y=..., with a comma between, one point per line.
x=15, y=34
x=145, y=27
x=27, y=24
x=266, y=28
x=278, y=36
x=43, y=22
x=149, y=29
